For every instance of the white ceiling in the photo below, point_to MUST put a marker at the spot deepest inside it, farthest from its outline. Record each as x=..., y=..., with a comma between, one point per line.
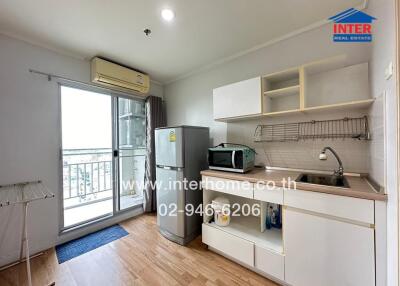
x=204, y=31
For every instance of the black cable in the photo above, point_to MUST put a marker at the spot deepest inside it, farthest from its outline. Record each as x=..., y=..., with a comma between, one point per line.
x=223, y=145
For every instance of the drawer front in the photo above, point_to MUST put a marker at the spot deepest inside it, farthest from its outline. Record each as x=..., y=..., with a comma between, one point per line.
x=271, y=195
x=233, y=246
x=269, y=262
x=237, y=188
x=360, y=210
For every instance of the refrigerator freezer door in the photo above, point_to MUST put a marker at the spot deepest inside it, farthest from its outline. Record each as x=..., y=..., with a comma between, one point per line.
x=169, y=147
x=171, y=201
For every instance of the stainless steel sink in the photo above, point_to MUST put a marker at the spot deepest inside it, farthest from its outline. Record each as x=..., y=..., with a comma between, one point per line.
x=325, y=180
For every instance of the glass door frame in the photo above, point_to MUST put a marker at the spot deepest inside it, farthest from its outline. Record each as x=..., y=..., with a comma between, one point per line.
x=114, y=96
x=117, y=149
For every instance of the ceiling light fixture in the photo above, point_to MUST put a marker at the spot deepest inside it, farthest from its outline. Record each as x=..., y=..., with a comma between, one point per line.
x=168, y=15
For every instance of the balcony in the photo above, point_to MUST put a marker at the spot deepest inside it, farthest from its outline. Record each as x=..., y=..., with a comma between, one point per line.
x=88, y=183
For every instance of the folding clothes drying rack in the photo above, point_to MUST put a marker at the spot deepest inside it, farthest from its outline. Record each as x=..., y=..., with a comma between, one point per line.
x=23, y=194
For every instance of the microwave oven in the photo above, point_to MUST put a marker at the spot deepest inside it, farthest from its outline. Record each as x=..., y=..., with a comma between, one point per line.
x=232, y=159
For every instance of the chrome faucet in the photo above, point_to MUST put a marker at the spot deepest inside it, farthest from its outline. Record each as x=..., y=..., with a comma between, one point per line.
x=322, y=156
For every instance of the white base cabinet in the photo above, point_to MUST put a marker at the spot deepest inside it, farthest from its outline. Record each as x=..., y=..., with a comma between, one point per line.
x=238, y=248
x=246, y=252
x=324, y=251
x=269, y=262
x=326, y=240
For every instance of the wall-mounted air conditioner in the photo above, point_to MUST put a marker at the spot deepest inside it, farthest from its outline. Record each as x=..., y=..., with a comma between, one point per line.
x=115, y=76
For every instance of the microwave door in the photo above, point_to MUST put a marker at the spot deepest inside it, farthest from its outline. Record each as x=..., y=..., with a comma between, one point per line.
x=226, y=161
x=221, y=159
x=231, y=160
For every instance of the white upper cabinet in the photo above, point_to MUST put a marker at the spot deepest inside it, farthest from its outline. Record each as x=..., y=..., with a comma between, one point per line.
x=239, y=99
x=328, y=84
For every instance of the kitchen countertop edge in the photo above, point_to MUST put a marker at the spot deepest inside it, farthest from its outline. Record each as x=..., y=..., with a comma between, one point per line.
x=359, y=186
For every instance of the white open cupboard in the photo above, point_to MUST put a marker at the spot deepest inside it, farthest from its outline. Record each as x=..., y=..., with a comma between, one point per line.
x=321, y=85
x=245, y=239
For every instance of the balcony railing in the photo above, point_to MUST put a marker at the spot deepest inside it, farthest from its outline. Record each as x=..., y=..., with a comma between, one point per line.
x=87, y=176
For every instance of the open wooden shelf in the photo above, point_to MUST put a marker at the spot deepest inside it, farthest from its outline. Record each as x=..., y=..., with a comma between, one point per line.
x=290, y=90
x=361, y=104
x=282, y=91
x=280, y=113
x=248, y=227
x=281, y=79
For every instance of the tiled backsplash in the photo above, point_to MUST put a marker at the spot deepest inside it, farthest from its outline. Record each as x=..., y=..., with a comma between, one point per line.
x=303, y=154
x=377, y=144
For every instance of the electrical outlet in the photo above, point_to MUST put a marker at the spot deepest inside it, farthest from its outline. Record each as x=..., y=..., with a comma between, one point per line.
x=389, y=71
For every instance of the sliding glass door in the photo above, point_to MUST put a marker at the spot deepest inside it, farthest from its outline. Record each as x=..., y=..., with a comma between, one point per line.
x=87, y=155
x=132, y=152
x=103, y=154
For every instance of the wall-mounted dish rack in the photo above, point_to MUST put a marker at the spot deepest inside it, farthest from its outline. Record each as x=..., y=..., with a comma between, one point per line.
x=356, y=128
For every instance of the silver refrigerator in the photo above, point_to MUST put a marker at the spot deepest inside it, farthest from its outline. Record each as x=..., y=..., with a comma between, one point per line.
x=181, y=153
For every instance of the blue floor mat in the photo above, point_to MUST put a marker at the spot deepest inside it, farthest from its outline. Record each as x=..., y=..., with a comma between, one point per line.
x=89, y=242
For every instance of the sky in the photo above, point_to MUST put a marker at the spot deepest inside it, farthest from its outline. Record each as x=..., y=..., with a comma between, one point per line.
x=86, y=119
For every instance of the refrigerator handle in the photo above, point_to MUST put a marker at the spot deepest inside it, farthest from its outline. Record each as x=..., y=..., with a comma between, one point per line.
x=233, y=159
x=169, y=168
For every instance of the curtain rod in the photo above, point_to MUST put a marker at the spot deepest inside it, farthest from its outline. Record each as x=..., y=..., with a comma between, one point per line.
x=51, y=76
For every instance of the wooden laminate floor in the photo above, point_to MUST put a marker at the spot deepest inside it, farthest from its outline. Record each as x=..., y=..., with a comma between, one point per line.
x=143, y=257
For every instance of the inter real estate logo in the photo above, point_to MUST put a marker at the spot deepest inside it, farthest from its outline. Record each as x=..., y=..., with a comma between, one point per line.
x=352, y=25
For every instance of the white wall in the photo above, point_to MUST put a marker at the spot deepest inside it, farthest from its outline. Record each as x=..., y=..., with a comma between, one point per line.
x=384, y=52
x=30, y=136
